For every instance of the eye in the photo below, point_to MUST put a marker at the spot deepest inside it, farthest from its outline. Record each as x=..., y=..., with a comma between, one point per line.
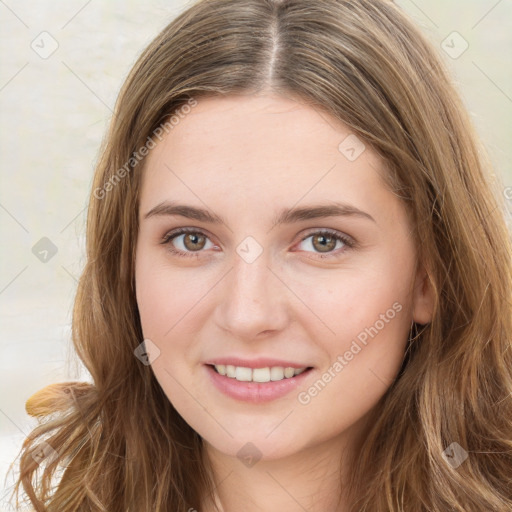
x=323, y=242
x=191, y=244
x=326, y=241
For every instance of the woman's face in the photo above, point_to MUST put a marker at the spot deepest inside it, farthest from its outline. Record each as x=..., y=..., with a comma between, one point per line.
x=297, y=255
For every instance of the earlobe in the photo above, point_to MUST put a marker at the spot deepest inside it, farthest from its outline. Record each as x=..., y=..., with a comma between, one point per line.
x=423, y=299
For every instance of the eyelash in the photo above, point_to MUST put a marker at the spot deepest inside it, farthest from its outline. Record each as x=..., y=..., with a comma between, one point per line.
x=166, y=240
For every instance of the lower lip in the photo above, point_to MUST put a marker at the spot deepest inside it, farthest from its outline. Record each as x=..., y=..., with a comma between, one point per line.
x=255, y=392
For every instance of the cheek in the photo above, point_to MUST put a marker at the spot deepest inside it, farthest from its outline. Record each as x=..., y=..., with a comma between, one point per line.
x=165, y=296
x=347, y=302
x=168, y=301
x=365, y=320
x=363, y=355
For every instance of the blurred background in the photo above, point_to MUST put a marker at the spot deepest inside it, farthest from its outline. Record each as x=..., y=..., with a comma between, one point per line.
x=61, y=66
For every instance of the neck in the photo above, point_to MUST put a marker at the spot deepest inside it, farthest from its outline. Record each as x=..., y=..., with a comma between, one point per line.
x=310, y=479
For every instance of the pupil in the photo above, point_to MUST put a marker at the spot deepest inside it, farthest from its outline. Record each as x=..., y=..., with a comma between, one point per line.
x=192, y=239
x=326, y=242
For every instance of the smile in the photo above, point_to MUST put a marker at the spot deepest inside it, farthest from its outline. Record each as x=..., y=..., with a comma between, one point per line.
x=256, y=385
x=243, y=374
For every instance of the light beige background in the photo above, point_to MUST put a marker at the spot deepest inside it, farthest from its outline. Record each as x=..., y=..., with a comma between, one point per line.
x=54, y=111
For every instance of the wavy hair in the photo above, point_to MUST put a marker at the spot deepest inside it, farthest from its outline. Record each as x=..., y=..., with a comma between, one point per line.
x=118, y=445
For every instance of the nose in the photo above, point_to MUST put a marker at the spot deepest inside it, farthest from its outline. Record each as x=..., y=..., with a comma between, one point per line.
x=252, y=301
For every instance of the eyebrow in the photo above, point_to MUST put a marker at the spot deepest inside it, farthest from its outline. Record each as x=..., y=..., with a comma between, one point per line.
x=285, y=216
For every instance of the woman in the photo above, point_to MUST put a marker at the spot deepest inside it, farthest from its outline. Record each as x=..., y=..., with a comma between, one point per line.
x=298, y=281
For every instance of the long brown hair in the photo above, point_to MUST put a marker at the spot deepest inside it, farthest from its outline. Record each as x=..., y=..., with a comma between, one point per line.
x=119, y=445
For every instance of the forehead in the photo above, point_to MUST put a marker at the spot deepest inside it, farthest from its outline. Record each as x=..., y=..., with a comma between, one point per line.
x=254, y=151
x=268, y=127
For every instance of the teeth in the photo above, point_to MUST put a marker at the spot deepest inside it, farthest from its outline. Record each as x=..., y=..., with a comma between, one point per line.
x=288, y=372
x=267, y=374
x=261, y=375
x=276, y=373
x=243, y=374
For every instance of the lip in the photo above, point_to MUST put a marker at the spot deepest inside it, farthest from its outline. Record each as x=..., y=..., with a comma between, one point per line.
x=261, y=362
x=256, y=392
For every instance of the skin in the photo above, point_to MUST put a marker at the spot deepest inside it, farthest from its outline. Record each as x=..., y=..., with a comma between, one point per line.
x=245, y=158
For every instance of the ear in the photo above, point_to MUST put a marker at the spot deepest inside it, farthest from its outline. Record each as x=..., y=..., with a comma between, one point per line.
x=423, y=298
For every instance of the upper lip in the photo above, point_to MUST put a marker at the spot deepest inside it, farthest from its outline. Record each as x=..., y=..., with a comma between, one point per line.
x=261, y=362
